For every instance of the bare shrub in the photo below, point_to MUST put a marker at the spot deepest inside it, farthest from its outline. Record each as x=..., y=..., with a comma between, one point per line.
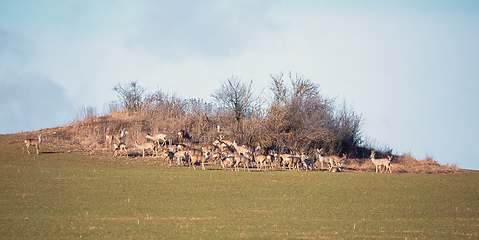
x=299, y=118
x=131, y=96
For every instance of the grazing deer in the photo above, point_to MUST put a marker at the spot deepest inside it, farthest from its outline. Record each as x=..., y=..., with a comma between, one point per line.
x=240, y=159
x=119, y=147
x=181, y=156
x=146, y=146
x=386, y=162
x=110, y=137
x=33, y=141
x=159, y=138
x=195, y=158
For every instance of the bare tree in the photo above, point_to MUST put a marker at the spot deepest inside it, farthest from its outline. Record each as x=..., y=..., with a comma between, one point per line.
x=131, y=96
x=237, y=98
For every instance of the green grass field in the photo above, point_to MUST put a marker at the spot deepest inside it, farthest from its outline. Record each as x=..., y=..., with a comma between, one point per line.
x=70, y=195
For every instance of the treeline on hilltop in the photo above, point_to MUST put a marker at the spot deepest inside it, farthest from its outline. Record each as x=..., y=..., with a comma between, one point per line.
x=291, y=116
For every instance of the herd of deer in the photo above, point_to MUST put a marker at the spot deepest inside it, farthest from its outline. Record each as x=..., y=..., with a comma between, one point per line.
x=228, y=153
x=225, y=152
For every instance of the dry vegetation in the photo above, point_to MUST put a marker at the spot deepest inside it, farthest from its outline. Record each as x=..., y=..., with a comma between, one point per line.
x=296, y=118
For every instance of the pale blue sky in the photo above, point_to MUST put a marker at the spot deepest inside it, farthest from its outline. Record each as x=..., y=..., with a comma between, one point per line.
x=410, y=67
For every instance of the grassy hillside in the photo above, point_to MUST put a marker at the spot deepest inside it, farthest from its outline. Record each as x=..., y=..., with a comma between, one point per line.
x=70, y=195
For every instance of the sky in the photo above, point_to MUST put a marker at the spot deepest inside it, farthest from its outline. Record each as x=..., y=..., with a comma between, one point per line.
x=410, y=68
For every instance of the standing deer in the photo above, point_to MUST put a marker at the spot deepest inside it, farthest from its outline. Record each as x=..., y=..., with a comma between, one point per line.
x=183, y=134
x=386, y=162
x=307, y=161
x=117, y=137
x=321, y=158
x=260, y=161
x=168, y=154
x=146, y=146
x=227, y=158
x=181, y=156
x=33, y=141
x=208, y=148
x=240, y=159
x=159, y=138
x=291, y=160
x=196, y=158
x=243, y=150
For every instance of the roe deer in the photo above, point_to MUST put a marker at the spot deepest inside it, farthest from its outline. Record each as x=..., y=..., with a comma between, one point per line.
x=338, y=168
x=196, y=158
x=110, y=137
x=260, y=161
x=183, y=134
x=291, y=160
x=119, y=147
x=223, y=144
x=321, y=158
x=308, y=162
x=181, y=156
x=240, y=159
x=146, y=146
x=243, y=150
x=386, y=162
x=33, y=141
x=336, y=161
x=158, y=138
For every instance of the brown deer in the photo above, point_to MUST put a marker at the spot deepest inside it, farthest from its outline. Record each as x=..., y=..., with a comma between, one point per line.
x=336, y=161
x=110, y=137
x=321, y=158
x=386, y=162
x=33, y=141
x=196, y=158
x=146, y=146
x=183, y=134
x=120, y=147
x=159, y=138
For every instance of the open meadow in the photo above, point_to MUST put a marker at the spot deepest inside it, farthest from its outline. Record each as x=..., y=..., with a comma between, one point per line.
x=58, y=194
